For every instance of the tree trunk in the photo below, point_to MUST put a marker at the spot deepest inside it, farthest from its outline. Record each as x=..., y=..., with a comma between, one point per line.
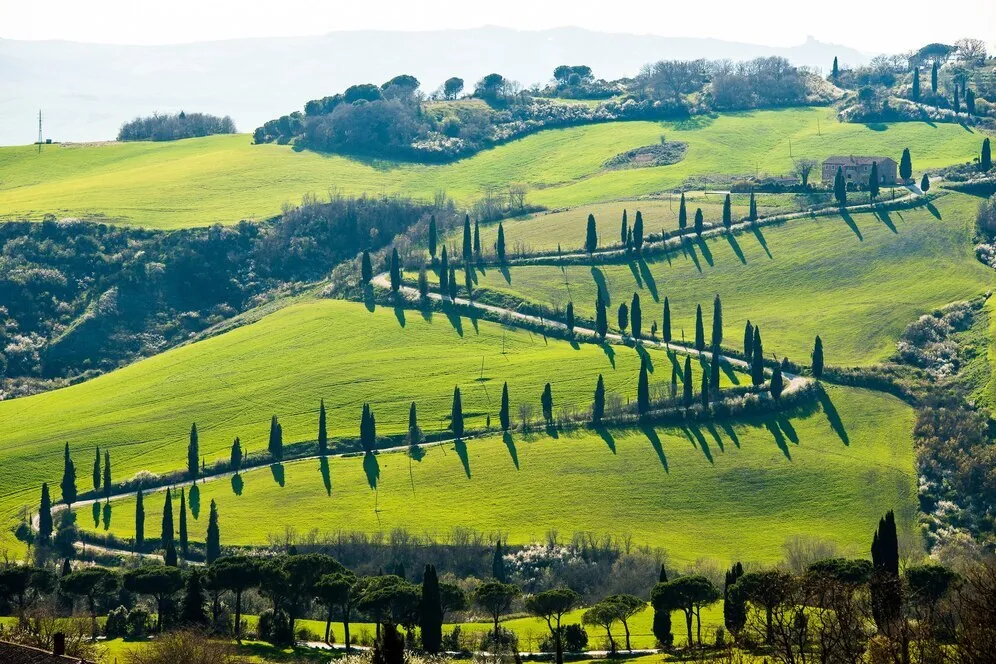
x=238, y=616
x=328, y=625
x=769, y=632
x=626, y=627
x=612, y=643
x=688, y=625
x=93, y=618
x=698, y=625
x=558, y=639
x=345, y=630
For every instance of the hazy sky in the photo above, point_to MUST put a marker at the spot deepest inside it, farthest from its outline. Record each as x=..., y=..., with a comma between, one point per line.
x=869, y=26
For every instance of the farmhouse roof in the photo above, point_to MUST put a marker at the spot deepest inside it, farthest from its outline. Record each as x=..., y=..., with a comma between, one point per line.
x=14, y=653
x=856, y=160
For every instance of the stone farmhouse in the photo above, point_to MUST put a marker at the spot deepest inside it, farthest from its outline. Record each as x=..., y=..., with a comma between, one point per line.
x=858, y=169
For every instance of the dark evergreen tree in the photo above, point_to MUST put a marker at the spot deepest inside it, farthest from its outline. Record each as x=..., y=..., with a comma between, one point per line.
x=886, y=589
x=748, y=340
x=366, y=268
x=169, y=555
x=235, y=458
x=323, y=433
x=969, y=101
x=504, y=415
x=498, y=563
x=734, y=604
x=624, y=230
x=717, y=322
x=727, y=211
x=638, y=232
x=598, y=405
x=107, y=473
x=682, y=213
x=477, y=239
x=591, y=236
x=873, y=181
x=45, y=516
x=688, y=394
x=835, y=72
x=139, y=522
x=444, y=274
x=570, y=317
x=192, y=612
x=905, y=165
x=818, y=358
x=601, y=320
x=68, y=478
x=956, y=105
x=662, y=619
x=699, y=220
x=368, y=429
x=468, y=244
x=212, y=549
x=840, y=188
x=432, y=236
x=414, y=433
x=500, y=247
x=166, y=534
x=453, y=284
x=925, y=183
x=777, y=384
x=636, y=317
x=468, y=282
x=666, y=322
x=546, y=401
x=933, y=78
x=714, y=370
x=184, y=548
x=643, y=390
x=431, y=612
x=916, y=84
x=193, y=453
x=757, y=359
x=752, y=209
x=456, y=414
x=986, y=160
x=699, y=329
x=704, y=390
x=623, y=317
x=395, y=271
x=96, y=469
x=276, y=443
x=674, y=380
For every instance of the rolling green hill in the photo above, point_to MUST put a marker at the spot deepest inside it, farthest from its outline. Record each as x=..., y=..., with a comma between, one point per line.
x=721, y=491
x=224, y=179
x=856, y=281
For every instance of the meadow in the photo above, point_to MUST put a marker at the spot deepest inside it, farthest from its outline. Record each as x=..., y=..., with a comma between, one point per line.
x=723, y=491
x=855, y=280
x=282, y=365
x=223, y=179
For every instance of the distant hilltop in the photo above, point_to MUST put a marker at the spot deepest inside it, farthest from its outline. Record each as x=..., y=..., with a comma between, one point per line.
x=87, y=91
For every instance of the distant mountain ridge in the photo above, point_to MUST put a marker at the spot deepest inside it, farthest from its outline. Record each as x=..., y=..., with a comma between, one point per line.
x=86, y=91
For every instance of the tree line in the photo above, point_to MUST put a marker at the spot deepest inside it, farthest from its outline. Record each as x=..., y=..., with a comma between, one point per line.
x=171, y=127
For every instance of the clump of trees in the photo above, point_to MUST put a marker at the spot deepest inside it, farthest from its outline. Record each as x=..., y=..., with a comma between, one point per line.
x=174, y=127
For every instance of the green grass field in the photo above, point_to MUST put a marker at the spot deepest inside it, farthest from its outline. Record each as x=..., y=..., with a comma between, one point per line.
x=856, y=282
x=224, y=179
x=231, y=384
x=724, y=491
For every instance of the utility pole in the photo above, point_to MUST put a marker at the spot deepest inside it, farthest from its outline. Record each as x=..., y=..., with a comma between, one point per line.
x=40, y=140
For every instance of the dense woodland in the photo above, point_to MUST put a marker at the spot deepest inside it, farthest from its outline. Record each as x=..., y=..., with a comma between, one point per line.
x=174, y=127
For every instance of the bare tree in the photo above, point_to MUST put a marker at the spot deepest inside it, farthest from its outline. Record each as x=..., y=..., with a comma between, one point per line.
x=803, y=167
x=971, y=50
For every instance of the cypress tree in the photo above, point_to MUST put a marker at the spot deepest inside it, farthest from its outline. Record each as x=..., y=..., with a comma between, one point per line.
x=366, y=269
x=717, y=322
x=629, y=239
x=748, y=340
x=504, y=416
x=777, y=385
x=688, y=392
x=546, y=401
x=456, y=415
x=623, y=317
x=818, y=358
x=704, y=393
x=413, y=430
x=840, y=188
x=916, y=84
x=925, y=183
x=213, y=548
x=498, y=563
x=68, y=479
x=682, y=213
x=193, y=453
x=276, y=444
x=183, y=524
x=166, y=534
x=835, y=72
x=752, y=210
x=591, y=236
x=986, y=160
x=757, y=359
x=727, y=212
x=468, y=244
x=45, y=515
x=933, y=78
x=624, y=229
x=969, y=101
x=169, y=555
x=468, y=282
x=431, y=612
x=192, y=613
x=477, y=239
x=96, y=469
x=666, y=322
x=873, y=181
x=957, y=102
x=367, y=439
x=570, y=317
x=601, y=321
x=886, y=591
x=235, y=458
x=453, y=284
x=734, y=604
x=395, y=271
x=674, y=380
x=905, y=165
x=323, y=434
x=432, y=236
x=636, y=317
x=139, y=522
x=643, y=390
x=662, y=619
x=714, y=367
x=501, y=243
x=699, y=220
x=699, y=329
x=107, y=474
x=598, y=406
x=638, y=231
x=423, y=283
x=444, y=273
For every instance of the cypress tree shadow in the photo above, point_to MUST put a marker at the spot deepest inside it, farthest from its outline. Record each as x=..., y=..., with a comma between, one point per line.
x=461, y=449
x=696, y=438
x=454, y=317
x=760, y=240
x=368, y=298
x=603, y=290
x=730, y=373
x=323, y=466
x=648, y=279
x=642, y=352
x=107, y=515
x=732, y=239
x=688, y=249
x=655, y=442
x=95, y=508
x=194, y=501
x=849, y=220
x=966, y=127
x=473, y=274
x=636, y=274
x=609, y=353
x=237, y=485
x=728, y=430
x=704, y=248
x=883, y=215
x=426, y=312
x=678, y=368
x=506, y=274
x=277, y=469
x=474, y=320
x=510, y=444
x=933, y=210
x=711, y=428
x=551, y=430
x=399, y=313
x=607, y=437
x=833, y=417
x=788, y=429
x=372, y=469
x=776, y=433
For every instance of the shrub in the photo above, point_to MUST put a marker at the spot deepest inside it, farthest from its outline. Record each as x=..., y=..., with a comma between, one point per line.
x=186, y=647
x=117, y=623
x=504, y=641
x=985, y=219
x=274, y=627
x=574, y=638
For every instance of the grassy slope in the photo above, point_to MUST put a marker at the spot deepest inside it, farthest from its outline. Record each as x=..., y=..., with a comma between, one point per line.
x=856, y=287
x=225, y=178
x=717, y=491
x=230, y=385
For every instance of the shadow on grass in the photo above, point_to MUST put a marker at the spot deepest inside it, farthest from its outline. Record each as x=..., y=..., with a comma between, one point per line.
x=648, y=279
x=636, y=273
x=194, y=501
x=933, y=210
x=786, y=426
x=237, y=485
x=883, y=215
x=107, y=515
x=512, y=452
x=696, y=438
x=461, y=449
x=776, y=433
x=645, y=356
x=399, y=313
x=728, y=430
x=454, y=317
x=655, y=442
x=606, y=435
x=323, y=467
x=732, y=239
x=599, y=278
x=506, y=274
x=609, y=353
x=833, y=417
x=277, y=469
x=849, y=220
x=729, y=371
x=711, y=428
x=95, y=509
x=760, y=240
x=704, y=248
x=371, y=468
x=368, y=298
x=688, y=249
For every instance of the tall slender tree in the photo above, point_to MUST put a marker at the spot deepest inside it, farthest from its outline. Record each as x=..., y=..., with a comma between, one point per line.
x=916, y=84
x=734, y=604
x=213, y=541
x=623, y=317
x=546, y=401
x=624, y=229
x=682, y=213
x=727, y=211
x=432, y=236
x=933, y=78
x=886, y=590
x=45, y=516
x=477, y=239
x=500, y=246
x=96, y=469
x=752, y=208
x=498, y=563
x=969, y=101
x=925, y=183
x=714, y=373
x=184, y=548
x=453, y=284
x=107, y=474
x=905, y=165
x=873, y=181
x=468, y=243
x=504, y=415
x=688, y=394
x=444, y=273
x=323, y=433
x=748, y=340
x=431, y=612
x=835, y=71
x=636, y=317
x=169, y=555
x=601, y=319
x=699, y=220
x=368, y=429
x=591, y=236
x=276, y=442
x=395, y=270
x=704, y=390
x=193, y=453
x=986, y=160
x=68, y=478
x=666, y=322
x=643, y=390
x=818, y=358
x=166, y=534
x=662, y=618
x=456, y=414
x=757, y=359
x=956, y=105
x=777, y=385
x=840, y=188
x=598, y=405
x=570, y=317
x=699, y=329
x=717, y=322
x=235, y=457
x=139, y=522
x=366, y=268
x=674, y=380
x=638, y=232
